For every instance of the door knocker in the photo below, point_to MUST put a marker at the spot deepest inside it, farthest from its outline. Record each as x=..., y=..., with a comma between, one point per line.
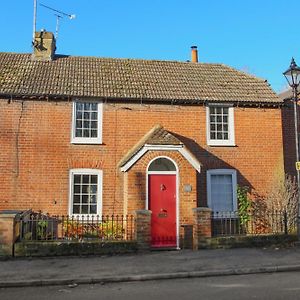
x=162, y=187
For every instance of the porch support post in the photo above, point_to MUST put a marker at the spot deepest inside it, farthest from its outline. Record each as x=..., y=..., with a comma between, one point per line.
x=143, y=229
x=201, y=228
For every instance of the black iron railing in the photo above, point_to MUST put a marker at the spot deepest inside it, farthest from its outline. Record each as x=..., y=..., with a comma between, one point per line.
x=253, y=223
x=47, y=228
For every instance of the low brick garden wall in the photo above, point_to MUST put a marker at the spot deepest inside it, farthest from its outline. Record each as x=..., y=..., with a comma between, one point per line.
x=280, y=240
x=75, y=248
x=55, y=248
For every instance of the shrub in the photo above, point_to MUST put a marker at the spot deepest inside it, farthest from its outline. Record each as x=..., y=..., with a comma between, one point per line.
x=105, y=230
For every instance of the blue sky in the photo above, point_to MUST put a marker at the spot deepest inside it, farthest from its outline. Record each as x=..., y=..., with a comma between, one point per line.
x=258, y=37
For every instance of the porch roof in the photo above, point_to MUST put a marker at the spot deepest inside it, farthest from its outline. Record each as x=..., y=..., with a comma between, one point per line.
x=157, y=138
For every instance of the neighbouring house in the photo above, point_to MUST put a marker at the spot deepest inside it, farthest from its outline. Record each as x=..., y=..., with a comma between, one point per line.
x=87, y=135
x=288, y=127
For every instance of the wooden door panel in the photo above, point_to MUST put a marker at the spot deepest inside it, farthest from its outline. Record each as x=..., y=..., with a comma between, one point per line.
x=162, y=203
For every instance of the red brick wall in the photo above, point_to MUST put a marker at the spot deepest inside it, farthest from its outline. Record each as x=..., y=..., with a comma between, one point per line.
x=288, y=128
x=36, y=153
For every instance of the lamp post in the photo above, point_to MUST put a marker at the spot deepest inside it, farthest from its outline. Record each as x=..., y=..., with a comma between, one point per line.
x=292, y=75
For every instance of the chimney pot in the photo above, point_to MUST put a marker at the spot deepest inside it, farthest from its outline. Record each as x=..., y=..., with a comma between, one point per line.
x=194, y=54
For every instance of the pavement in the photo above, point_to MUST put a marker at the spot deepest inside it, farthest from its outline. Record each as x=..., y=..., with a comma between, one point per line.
x=156, y=265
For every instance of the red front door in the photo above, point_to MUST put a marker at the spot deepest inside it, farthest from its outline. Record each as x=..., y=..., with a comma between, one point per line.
x=162, y=203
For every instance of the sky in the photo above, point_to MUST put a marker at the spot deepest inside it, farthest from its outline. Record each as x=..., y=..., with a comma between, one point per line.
x=258, y=37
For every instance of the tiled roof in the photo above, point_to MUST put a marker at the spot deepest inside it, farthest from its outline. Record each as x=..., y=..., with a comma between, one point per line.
x=160, y=136
x=156, y=136
x=129, y=79
x=287, y=95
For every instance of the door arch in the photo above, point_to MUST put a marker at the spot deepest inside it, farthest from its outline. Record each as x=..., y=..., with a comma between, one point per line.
x=162, y=200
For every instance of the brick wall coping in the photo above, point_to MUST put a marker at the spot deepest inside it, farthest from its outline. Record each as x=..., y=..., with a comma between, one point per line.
x=143, y=212
x=202, y=209
x=10, y=213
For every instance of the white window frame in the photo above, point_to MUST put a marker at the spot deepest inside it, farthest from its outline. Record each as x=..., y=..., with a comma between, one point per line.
x=231, y=133
x=99, y=173
x=233, y=174
x=87, y=140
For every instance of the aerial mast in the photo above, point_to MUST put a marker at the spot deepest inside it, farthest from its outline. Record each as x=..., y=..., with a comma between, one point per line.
x=59, y=15
x=34, y=20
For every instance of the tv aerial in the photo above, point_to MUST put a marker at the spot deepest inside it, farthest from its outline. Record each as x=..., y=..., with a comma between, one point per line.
x=59, y=15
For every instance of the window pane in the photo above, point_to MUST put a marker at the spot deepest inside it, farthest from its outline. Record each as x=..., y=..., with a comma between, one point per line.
x=94, y=178
x=94, y=124
x=86, y=124
x=84, y=209
x=93, y=199
x=76, y=199
x=76, y=209
x=77, y=189
x=86, y=133
x=78, y=124
x=87, y=106
x=85, y=199
x=85, y=189
x=93, y=189
x=94, y=106
x=79, y=115
x=93, y=133
x=93, y=209
x=78, y=133
x=79, y=106
x=85, y=178
x=162, y=164
x=94, y=116
x=227, y=188
x=77, y=178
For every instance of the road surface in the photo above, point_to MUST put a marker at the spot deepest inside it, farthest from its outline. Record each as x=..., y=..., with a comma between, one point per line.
x=262, y=286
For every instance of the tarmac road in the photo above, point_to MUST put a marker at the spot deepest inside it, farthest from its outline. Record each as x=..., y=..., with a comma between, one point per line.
x=273, y=286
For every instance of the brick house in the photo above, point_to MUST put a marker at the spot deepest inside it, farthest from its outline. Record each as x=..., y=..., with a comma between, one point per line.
x=86, y=135
x=288, y=127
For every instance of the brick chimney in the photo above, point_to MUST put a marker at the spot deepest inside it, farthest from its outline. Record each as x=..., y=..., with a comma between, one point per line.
x=194, y=54
x=44, y=46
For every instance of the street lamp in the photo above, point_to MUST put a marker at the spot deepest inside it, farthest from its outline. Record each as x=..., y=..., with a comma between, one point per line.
x=292, y=75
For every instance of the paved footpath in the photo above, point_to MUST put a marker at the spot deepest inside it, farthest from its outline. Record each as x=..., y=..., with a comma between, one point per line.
x=146, y=266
